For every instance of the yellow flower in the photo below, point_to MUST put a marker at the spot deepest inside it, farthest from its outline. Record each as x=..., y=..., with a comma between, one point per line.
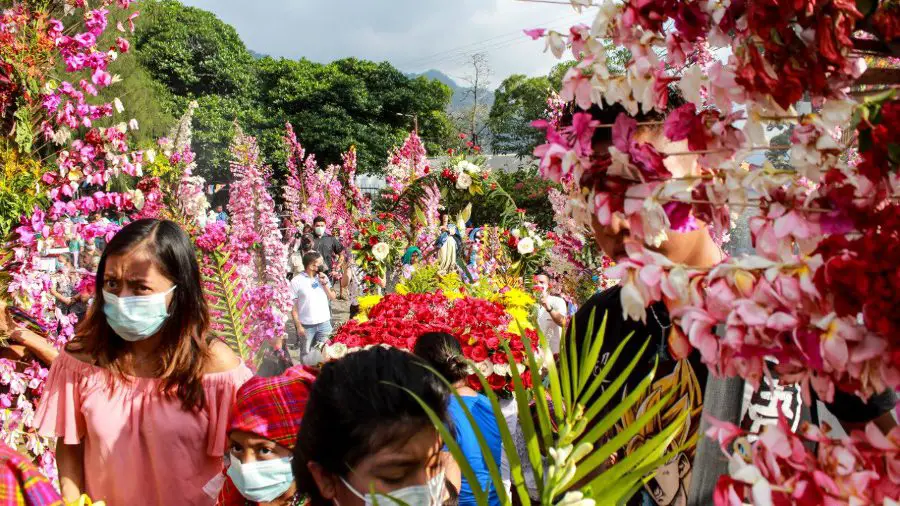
x=84, y=500
x=517, y=298
x=401, y=289
x=367, y=302
x=521, y=320
x=453, y=295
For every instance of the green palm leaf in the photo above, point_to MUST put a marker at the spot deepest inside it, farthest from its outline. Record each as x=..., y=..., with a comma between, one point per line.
x=585, y=439
x=225, y=296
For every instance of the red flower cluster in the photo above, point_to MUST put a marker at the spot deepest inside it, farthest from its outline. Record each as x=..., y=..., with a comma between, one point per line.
x=883, y=143
x=788, y=65
x=860, y=277
x=479, y=325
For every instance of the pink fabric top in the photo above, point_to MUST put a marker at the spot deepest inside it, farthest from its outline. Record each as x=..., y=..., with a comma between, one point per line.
x=139, y=447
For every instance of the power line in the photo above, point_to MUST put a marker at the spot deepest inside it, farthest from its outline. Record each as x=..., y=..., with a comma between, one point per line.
x=462, y=56
x=468, y=48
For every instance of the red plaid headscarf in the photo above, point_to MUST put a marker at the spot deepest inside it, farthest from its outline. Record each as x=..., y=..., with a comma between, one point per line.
x=273, y=407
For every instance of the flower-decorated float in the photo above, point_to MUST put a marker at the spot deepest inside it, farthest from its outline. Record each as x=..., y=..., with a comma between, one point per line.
x=480, y=316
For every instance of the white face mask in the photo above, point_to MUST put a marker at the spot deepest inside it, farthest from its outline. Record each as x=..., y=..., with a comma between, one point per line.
x=263, y=480
x=429, y=494
x=320, y=231
x=138, y=317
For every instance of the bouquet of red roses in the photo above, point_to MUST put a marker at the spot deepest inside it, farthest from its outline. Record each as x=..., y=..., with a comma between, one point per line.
x=479, y=325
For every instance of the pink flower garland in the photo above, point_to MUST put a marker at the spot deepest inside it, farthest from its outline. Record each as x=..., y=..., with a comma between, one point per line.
x=256, y=241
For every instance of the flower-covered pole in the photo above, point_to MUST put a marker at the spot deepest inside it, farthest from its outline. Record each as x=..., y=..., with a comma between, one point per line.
x=358, y=203
x=191, y=202
x=294, y=192
x=255, y=240
x=817, y=295
x=51, y=76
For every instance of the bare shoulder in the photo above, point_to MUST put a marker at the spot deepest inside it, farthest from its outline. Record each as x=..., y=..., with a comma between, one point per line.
x=221, y=358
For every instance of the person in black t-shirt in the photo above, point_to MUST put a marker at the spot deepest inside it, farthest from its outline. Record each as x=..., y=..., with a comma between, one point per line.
x=688, y=478
x=327, y=245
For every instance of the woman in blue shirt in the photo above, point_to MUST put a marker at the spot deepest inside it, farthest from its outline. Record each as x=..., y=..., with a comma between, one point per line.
x=444, y=353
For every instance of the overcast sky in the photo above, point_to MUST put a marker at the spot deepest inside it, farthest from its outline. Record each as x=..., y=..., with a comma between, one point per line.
x=414, y=35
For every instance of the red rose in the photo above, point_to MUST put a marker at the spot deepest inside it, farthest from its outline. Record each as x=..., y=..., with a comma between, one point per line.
x=427, y=169
x=479, y=353
x=499, y=358
x=462, y=136
x=373, y=240
x=496, y=382
x=526, y=379
x=380, y=228
x=474, y=383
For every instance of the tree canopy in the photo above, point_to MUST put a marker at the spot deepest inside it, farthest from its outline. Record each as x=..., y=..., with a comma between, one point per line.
x=193, y=55
x=518, y=101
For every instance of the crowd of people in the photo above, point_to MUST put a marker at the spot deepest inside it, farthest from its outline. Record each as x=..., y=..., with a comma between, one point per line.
x=146, y=408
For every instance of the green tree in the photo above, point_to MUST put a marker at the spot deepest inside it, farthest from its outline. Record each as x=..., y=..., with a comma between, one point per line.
x=191, y=54
x=780, y=158
x=517, y=102
x=521, y=100
x=352, y=102
x=192, y=51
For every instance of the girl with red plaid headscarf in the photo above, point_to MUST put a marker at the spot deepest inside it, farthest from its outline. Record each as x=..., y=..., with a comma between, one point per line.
x=262, y=433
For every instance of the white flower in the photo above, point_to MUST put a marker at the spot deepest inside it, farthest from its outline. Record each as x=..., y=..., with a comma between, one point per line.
x=137, y=198
x=118, y=105
x=465, y=166
x=526, y=246
x=463, y=181
x=690, y=83
x=556, y=43
x=501, y=369
x=633, y=304
x=380, y=251
x=335, y=351
x=486, y=368
x=575, y=498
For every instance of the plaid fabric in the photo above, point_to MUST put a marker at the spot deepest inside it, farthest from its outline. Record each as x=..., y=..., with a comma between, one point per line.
x=21, y=484
x=273, y=407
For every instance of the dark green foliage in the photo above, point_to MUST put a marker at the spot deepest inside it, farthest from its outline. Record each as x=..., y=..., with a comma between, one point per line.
x=194, y=55
x=519, y=101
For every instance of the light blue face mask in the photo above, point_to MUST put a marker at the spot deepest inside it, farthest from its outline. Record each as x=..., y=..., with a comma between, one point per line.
x=263, y=480
x=429, y=494
x=138, y=317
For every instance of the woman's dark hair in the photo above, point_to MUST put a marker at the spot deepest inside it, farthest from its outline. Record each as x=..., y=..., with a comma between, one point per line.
x=357, y=406
x=306, y=243
x=444, y=353
x=183, y=348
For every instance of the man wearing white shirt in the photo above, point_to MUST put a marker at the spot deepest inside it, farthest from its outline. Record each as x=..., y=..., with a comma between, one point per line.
x=551, y=315
x=312, y=293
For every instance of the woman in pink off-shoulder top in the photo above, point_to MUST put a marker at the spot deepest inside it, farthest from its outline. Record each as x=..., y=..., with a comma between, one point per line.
x=140, y=399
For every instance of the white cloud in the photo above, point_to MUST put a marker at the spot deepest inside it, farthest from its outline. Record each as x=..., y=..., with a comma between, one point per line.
x=414, y=35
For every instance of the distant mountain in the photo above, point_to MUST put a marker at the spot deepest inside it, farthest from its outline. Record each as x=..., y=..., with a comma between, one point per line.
x=461, y=96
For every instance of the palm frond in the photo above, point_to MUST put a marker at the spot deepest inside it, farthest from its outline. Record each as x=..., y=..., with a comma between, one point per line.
x=586, y=411
x=225, y=292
